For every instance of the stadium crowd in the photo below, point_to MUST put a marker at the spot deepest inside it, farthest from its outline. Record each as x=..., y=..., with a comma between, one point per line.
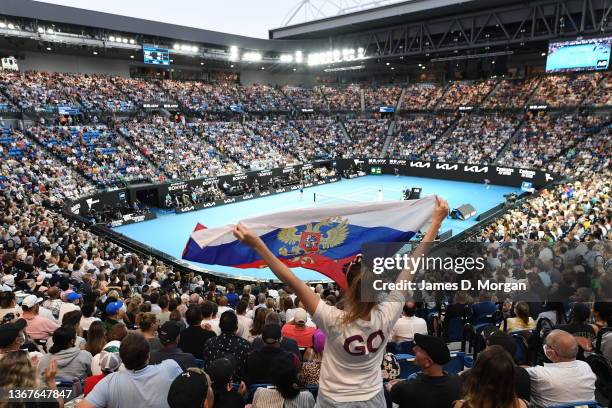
x=466, y=93
x=561, y=90
x=544, y=137
x=180, y=151
x=381, y=96
x=421, y=96
x=413, y=136
x=474, y=139
x=511, y=93
x=367, y=137
x=97, y=152
x=305, y=98
x=342, y=99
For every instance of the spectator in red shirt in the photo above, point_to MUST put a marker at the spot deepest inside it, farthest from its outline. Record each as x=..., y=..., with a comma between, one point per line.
x=298, y=330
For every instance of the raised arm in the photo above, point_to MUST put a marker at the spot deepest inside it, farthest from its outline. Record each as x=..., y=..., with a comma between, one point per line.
x=282, y=272
x=440, y=213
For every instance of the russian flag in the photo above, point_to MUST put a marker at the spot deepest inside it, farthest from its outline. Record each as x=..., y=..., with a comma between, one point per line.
x=323, y=239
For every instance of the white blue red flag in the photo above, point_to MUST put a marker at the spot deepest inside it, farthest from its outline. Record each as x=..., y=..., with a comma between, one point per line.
x=323, y=239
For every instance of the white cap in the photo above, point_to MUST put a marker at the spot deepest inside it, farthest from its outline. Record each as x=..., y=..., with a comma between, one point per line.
x=31, y=300
x=300, y=315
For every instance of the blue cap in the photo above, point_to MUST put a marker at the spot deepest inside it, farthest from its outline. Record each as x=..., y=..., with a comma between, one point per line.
x=73, y=296
x=113, y=307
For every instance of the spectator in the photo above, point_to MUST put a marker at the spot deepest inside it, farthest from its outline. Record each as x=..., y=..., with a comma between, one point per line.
x=148, y=326
x=169, y=336
x=110, y=361
x=191, y=389
x=88, y=318
x=232, y=296
x=194, y=337
x=491, y=382
x=259, y=322
x=288, y=344
x=114, y=337
x=244, y=323
x=522, y=381
x=286, y=392
x=433, y=387
x=602, y=311
x=139, y=385
x=228, y=343
x=522, y=321
x=72, y=362
x=19, y=373
x=408, y=325
x=566, y=379
x=209, y=317
x=298, y=330
x=258, y=365
x=39, y=328
x=12, y=336
x=311, y=367
x=578, y=326
x=221, y=375
x=113, y=314
x=8, y=303
x=96, y=338
x=348, y=373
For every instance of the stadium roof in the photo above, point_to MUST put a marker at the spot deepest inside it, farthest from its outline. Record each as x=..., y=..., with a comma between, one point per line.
x=385, y=16
x=88, y=18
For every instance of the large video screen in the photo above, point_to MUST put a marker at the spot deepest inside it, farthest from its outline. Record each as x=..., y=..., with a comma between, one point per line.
x=155, y=56
x=579, y=55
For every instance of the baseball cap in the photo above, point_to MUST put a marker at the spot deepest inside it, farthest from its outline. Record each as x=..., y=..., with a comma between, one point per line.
x=31, y=301
x=435, y=348
x=169, y=332
x=73, y=296
x=221, y=370
x=271, y=333
x=113, y=307
x=110, y=361
x=188, y=390
x=300, y=316
x=9, y=332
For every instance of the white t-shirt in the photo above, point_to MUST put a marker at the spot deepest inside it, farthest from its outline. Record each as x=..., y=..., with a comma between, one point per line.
x=65, y=308
x=214, y=325
x=561, y=383
x=86, y=322
x=350, y=370
x=406, y=327
x=244, y=325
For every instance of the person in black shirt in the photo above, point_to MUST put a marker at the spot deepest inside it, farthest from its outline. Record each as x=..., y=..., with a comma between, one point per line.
x=193, y=337
x=221, y=372
x=258, y=364
x=433, y=387
x=228, y=343
x=459, y=308
x=169, y=336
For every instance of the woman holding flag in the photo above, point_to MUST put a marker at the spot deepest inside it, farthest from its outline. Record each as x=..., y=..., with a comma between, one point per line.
x=356, y=336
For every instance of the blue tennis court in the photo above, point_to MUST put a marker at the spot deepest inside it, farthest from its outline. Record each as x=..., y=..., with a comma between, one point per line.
x=169, y=232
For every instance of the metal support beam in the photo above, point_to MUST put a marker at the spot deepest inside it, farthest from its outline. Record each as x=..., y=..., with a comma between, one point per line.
x=521, y=24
